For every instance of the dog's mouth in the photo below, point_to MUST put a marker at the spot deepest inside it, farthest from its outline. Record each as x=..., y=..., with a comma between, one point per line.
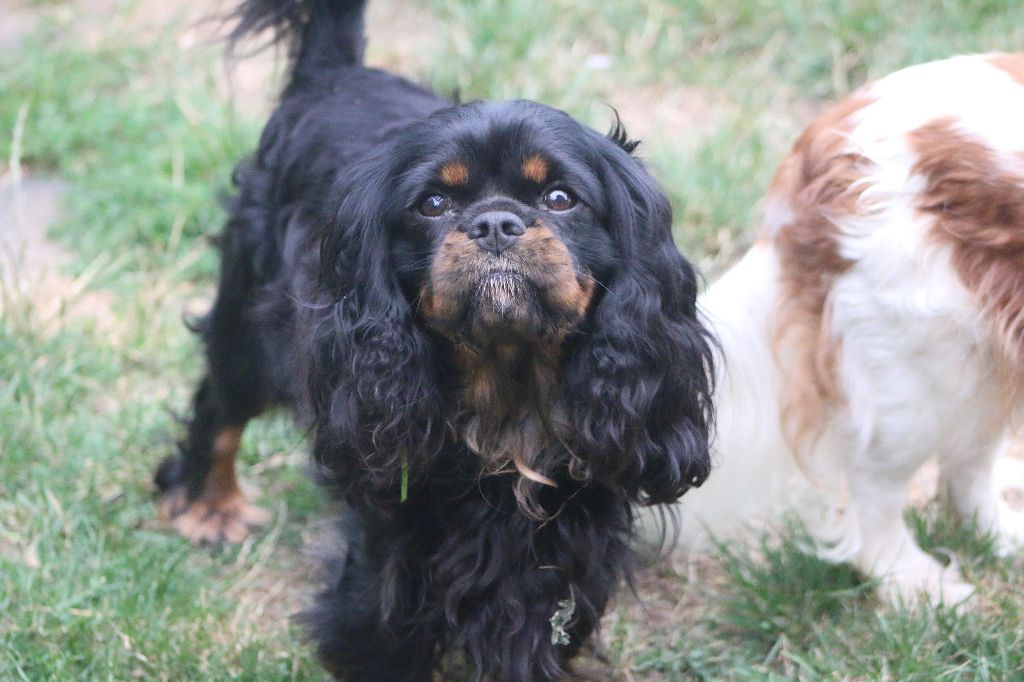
x=508, y=303
x=494, y=301
x=503, y=292
x=530, y=293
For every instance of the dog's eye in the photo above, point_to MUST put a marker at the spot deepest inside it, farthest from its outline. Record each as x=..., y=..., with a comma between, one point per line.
x=559, y=200
x=435, y=205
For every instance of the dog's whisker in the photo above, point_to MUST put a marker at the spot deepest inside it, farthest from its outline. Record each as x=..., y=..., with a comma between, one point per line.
x=595, y=280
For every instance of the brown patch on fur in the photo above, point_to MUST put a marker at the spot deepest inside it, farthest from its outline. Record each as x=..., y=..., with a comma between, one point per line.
x=454, y=174
x=569, y=290
x=499, y=387
x=535, y=169
x=487, y=376
x=817, y=181
x=1012, y=64
x=447, y=274
x=978, y=205
x=220, y=513
x=504, y=387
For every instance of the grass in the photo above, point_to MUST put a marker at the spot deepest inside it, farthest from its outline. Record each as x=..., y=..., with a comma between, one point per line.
x=132, y=115
x=146, y=144
x=77, y=532
x=777, y=613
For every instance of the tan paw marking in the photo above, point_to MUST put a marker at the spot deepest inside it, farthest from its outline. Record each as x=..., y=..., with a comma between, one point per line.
x=220, y=513
x=225, y=519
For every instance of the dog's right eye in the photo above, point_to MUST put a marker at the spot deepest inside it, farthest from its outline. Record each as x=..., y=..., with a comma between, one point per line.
x=435, y=205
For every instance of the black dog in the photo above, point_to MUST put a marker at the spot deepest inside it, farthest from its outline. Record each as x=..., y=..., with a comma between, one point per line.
x=482, y=313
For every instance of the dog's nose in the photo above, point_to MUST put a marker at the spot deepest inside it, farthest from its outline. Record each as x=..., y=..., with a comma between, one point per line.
x=496, y=231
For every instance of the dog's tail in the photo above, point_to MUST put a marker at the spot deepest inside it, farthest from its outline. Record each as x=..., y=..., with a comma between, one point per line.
x=319, y=33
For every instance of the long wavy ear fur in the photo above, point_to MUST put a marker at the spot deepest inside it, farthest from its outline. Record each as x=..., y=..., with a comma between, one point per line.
x=372, y=383
x=640, y=382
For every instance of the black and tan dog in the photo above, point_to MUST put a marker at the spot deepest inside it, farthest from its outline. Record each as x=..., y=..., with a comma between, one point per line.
x=481, y=312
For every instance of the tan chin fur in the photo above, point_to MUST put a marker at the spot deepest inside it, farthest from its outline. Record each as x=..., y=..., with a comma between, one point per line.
x=514, y=449
x=505, y=391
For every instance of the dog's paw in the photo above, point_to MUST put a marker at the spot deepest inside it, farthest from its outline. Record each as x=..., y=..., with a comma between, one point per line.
x=927, y=585
x=209, y=520
x=1008, y=527
x=1009, y=531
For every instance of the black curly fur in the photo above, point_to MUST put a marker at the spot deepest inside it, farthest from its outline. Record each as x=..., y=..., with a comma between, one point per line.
x=320, y=307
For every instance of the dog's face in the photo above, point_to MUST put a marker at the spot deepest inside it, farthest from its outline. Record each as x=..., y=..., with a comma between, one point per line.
x=476, y=241
x=504, y=236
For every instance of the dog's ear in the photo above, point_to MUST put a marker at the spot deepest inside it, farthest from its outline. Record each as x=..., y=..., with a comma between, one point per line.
x=371, y=374
x=640, y=379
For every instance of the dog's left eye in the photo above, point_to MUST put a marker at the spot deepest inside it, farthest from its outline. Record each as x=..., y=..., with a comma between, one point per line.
x=435, y=205
x=559, y=200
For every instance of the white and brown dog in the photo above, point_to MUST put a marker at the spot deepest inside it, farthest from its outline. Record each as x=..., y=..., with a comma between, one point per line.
x=879, y=321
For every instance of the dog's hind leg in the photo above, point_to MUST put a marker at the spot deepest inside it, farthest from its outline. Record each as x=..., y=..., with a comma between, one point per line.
x=968, y=485
x=908, y=380
x=888, y=551
x=201, y=496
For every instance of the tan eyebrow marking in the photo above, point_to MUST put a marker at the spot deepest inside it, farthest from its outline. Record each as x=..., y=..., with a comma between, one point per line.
x=454, y=173
x=535, y=168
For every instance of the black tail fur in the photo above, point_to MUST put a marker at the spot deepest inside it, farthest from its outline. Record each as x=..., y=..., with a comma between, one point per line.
x=319, y=33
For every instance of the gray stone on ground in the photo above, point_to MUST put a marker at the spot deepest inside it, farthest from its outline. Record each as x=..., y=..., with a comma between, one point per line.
x=27, y=211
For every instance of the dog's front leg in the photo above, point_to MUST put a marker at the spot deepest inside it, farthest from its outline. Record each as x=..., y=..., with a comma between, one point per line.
x=373, y=623
x=523, y=595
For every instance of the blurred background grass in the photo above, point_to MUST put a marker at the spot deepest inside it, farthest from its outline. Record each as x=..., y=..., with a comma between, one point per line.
x=126, y=107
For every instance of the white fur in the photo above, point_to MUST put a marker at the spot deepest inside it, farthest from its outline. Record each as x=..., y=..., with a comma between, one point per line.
x=917, y=365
